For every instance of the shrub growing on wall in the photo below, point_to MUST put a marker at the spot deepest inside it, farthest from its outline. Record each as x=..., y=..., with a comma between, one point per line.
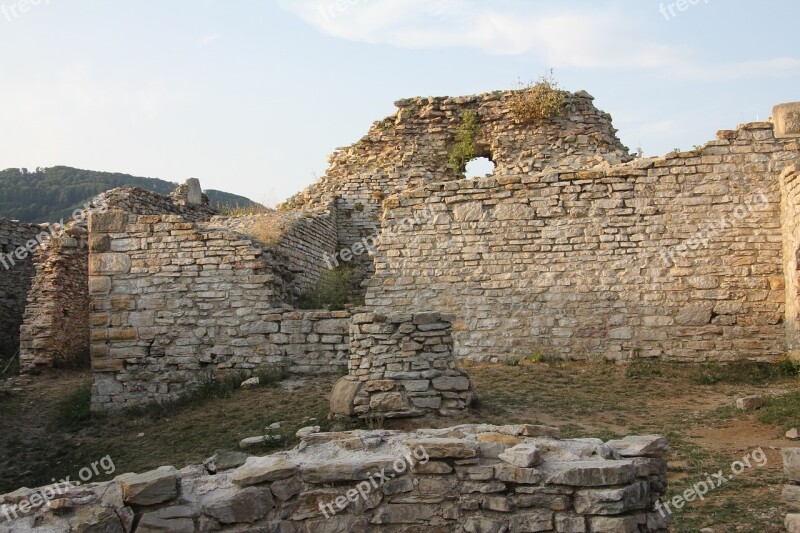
x=332, y=292
x=464, y=149
x=542, y=100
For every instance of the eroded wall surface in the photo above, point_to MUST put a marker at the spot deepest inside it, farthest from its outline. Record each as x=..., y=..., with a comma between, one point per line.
x=411, y=148
x=16, y=275
x=677, y=257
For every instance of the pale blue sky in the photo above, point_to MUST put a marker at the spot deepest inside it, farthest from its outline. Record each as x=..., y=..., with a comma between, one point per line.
x=251, y=96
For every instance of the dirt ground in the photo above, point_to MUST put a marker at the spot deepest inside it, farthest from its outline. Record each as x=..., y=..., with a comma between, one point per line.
x=45, y=432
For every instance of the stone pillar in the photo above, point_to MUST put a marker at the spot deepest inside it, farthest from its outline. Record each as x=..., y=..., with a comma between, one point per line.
x=791, y=490
x=786, y=118
x=194, y=194
x=401, y=366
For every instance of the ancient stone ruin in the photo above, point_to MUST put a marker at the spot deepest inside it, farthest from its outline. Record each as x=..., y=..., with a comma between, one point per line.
x=573, y=248
x=471, y=478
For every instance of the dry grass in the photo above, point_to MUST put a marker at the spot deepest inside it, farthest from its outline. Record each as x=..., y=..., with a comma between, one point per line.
x=538, y=101
x=689, y=404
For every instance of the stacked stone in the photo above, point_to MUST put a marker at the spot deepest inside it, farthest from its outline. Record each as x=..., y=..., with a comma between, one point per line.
x=677, y=257
x=143, y=202
x=412, y=148
x=471, y=478
x=401, y=366
x=174, y=300
x=791, y=490
x=305, y=241
x=790, y=222
x=55, y=327
x=16, y=276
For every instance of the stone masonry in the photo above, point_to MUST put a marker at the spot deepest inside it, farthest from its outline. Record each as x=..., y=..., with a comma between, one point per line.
x=678, y=257
x=401, y=366
x=173, y=300
x=470, y=478
x=411, y=148
x=15, y=281
x=56, y=322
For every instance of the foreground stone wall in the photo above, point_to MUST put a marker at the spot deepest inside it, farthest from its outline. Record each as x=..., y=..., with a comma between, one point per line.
x=471, y=478
x=412, y=147
x=55, y=329
x=16, y=274
x=678, y=257
x=401, y=366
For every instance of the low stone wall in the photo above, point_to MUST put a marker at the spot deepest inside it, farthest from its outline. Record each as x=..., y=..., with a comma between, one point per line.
x=144, y=202
x=55, y=328
x=470, y=478
x=401, y=366
x=791, y=490
x=16, y=275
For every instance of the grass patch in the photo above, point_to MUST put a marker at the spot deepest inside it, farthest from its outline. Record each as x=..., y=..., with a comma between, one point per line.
x=744, y=372
x=781, y=411
x=538, y=101
x=643, y=368
x=74, y=411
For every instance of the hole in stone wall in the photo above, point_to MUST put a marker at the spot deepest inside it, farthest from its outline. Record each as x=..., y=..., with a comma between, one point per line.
x=480, y=167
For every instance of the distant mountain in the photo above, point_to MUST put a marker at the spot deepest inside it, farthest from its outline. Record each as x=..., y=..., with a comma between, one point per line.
x=50, y=194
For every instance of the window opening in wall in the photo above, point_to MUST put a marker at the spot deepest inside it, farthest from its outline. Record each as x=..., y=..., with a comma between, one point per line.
x=480, y=167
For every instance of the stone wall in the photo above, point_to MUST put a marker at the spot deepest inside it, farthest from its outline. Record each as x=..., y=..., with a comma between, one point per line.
x=304, y=241
x=173, y=300
x=401, y=366
x=56, y=324
x=676, y=257
x=412, y=147
x=471, y=478
x=16, y=275
x=790, y=194
x=791, y=490
x=55, y=329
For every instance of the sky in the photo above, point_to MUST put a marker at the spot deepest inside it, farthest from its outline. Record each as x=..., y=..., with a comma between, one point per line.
x=251, y=96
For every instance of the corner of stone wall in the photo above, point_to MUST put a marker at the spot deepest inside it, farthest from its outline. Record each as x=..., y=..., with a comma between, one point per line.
x=401, y=365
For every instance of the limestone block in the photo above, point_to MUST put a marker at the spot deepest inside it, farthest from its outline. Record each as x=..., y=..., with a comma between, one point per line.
x=343, y=396
x=640, y=446
x=257, y=470
x=150, y=488
x=786, y=118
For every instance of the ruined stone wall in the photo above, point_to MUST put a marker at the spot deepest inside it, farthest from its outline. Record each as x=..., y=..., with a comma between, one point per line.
x=401, y=366
x=16, y=274
x=677, y=257
x=471, y=478
x=790, y=188
x=55, y=329
x=412, y=147
x=143, y=202
x=57, y=316
x=174, y=299
x=304, y=241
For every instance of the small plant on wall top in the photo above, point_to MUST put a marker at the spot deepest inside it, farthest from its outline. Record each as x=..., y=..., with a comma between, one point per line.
x=538, y=101
x=464, y=149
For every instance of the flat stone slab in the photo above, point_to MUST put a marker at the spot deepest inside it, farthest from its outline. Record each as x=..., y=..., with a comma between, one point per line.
x=589, y=473
x=261, y=469
x=150, y=488
x=654, y=446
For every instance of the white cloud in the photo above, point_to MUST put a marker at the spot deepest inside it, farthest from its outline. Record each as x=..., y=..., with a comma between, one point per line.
x=566, y=38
